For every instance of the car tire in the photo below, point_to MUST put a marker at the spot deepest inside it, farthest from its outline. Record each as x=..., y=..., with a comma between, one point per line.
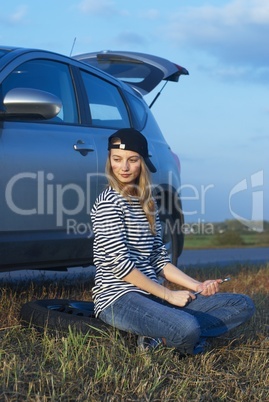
x=59, y=315
x=172, y=240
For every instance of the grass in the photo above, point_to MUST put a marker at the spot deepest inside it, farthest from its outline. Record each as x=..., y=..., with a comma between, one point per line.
x=41, y=367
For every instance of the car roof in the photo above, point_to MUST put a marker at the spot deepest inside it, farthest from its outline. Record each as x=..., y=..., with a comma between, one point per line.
x=9, y=53
x=139, y=70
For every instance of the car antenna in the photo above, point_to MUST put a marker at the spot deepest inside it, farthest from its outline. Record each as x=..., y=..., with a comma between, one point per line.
x=157, y=96
x=72, y=48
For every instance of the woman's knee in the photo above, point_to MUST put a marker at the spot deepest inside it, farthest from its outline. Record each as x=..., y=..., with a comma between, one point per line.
x=249, y=306
x=185, y=335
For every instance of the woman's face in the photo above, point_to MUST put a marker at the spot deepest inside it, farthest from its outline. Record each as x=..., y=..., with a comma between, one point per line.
x=126, y=165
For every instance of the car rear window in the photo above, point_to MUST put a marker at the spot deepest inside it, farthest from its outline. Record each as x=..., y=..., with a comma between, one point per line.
x=138, y=111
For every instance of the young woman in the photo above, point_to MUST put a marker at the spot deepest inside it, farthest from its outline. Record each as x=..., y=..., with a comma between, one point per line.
x=129, y=256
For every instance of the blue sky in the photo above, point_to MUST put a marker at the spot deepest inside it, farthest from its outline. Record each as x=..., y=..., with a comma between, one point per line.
x=216, y=119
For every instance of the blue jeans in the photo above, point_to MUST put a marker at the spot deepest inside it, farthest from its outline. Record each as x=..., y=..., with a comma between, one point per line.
x=184, y=328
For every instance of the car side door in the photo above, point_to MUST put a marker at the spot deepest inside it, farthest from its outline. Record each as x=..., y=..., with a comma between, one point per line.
x=107, y=112
x=45, y=165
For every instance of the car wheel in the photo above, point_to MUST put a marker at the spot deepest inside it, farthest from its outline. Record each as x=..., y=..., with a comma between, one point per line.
x=60, y=315
x=171, y=239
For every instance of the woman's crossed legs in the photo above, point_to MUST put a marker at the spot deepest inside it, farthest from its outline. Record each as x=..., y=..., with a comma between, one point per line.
x=184, y=328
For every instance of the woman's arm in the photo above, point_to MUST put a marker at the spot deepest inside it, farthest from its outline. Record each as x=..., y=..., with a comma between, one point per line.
x=178, y=298
x=176, y=276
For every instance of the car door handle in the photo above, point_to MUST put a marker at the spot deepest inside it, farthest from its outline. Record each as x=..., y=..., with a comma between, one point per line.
x=81, y=146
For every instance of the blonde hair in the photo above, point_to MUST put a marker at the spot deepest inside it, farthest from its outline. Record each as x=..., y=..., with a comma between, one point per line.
x=141, y=189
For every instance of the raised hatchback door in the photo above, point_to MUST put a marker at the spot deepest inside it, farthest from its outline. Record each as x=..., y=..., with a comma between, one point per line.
x=142, y=71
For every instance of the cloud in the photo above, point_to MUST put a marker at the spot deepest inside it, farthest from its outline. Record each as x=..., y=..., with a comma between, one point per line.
x=225, y=70
x=260, y=138
x=100, y=7
x=234, y=34
x=17, y=17
x=131, y=38
x=150, y=14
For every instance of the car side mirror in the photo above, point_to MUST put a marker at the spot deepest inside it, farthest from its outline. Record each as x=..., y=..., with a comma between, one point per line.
x=29, y=103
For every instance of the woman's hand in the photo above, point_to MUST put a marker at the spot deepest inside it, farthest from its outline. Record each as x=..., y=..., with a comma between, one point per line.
x=209, y=287
x=179, y=297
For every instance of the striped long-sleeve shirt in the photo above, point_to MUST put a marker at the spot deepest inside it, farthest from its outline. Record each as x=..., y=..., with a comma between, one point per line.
x=123, y=241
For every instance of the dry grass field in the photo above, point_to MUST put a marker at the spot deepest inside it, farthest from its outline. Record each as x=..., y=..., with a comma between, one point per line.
x=46, y=367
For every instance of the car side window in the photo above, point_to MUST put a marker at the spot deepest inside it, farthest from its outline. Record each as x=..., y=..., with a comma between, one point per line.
x=106, y=105
x=49, y=76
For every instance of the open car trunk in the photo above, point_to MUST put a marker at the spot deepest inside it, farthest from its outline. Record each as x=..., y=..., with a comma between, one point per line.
x=141, y=71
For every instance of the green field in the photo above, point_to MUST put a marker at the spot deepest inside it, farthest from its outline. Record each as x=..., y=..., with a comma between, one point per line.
x=230, y=233
x=227, y=239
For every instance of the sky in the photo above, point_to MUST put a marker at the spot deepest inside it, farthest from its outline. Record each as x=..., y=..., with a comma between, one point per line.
x=216, y=119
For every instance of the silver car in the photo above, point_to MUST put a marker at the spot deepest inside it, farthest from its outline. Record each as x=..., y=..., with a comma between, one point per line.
x=56, y=114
